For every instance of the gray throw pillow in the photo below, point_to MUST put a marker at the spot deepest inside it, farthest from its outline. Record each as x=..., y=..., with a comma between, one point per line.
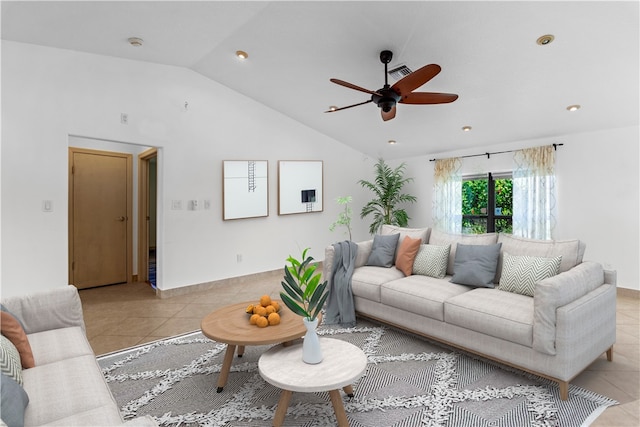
x=14, y=401
x=383, y=250
x=475, y=265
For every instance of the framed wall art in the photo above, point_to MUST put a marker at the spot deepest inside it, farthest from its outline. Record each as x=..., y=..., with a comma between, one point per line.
x=245, y=192
x=299, y=186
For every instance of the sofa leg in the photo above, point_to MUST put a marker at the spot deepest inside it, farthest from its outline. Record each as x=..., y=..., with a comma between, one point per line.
x=564, y=390
x=610, y=354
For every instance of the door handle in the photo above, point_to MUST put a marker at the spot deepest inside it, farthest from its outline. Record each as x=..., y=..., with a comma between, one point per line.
x=120, y=219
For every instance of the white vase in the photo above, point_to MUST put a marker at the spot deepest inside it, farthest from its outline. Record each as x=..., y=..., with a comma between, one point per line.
x=311, y=351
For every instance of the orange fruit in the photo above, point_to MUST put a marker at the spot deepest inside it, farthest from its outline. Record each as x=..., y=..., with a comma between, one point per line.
x=249, y=309
x=270, y=309
x=274, y=319
x=254, y=318
x=265, y=300
x=260, y=310
x=275, y=305
x=262, y=322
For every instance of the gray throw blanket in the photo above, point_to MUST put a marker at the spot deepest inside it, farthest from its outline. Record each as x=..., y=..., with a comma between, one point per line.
x=340, y=308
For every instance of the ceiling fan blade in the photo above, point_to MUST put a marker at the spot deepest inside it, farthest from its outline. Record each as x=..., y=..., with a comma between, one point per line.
x=352, y=86
x=428, y=98
x=416, y=79
x=348, y=106
x=389, y=115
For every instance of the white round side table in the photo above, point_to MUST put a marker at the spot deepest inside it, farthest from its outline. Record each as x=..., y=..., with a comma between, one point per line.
x=342, y=364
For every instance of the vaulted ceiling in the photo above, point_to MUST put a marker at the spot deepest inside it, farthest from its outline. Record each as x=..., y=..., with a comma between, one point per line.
x=510, y=88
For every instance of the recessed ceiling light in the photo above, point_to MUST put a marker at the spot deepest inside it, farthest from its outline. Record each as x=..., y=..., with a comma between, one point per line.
x=574, y=107
x=466, y=128
x=545, y=40
x=135, y=41
x=392, y=142
x=242, y=54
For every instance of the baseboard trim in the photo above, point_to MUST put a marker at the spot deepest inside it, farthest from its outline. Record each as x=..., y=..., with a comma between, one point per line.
x=185, y=290
x=630, y=293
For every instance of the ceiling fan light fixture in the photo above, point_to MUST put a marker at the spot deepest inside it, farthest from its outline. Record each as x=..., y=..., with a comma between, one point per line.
x=333, y=108
x=574, y=107
x=545, y=40
x=135, y=41
x=241, y=54
x=466, y=128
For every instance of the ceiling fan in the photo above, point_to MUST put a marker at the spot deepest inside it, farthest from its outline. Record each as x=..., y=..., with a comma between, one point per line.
x=401, y=92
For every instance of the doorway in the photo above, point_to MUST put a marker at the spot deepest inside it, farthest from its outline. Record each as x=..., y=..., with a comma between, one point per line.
x=147, y=216
x=100, y=208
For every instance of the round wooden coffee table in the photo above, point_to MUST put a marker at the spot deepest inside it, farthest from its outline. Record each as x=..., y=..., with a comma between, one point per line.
x=230, y=325
x=342, y=364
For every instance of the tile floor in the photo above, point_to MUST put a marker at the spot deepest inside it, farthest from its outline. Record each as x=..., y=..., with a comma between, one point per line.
x=122, y=316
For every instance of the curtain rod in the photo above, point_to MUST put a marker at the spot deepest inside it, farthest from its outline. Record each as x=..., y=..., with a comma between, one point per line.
x=555, y=147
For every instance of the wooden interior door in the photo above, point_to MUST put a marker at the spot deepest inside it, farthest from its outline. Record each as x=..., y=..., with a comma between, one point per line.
x=100, y=211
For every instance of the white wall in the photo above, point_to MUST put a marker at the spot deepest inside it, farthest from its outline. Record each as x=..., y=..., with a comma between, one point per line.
x=49, y=94
x=598, y=194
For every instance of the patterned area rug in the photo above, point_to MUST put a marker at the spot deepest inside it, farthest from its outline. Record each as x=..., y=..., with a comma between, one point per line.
x=409, y=382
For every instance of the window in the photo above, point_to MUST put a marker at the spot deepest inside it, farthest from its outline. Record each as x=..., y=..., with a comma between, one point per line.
x=487, y=203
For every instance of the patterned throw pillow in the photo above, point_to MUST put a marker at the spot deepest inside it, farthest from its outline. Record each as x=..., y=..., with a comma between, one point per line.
x=521, y=273
x=432, y=261
x=10, y=360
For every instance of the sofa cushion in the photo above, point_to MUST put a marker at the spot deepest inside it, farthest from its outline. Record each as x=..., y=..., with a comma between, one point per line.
x=557, y=291
x=366, y=281
x=431, y=261
x=10, y=360
x=414, y=233
x=421, y=295
x=407, y=254
x=12, y=329
x=440, y=238
x=65, y=389
x=59, y=344
x=383, y=251
x=572, y=251
x=493, y=312
x=475, y=265
x=14, y=400
x=521, y=273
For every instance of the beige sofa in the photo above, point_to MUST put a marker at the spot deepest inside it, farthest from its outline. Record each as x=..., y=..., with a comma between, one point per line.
x=568, y=322
x=66, y=387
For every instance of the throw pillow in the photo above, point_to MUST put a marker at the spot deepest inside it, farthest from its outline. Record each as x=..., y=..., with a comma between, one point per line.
x=11, y=329
x=407, y=254
x=432, y=260
x=10, y=360
x=475, y=265
x=383, y=250
x=5, y=309
x=14, y=401
x=521, y=273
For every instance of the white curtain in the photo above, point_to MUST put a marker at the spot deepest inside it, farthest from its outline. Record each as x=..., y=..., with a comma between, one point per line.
x=447, y=195
x=534, y=193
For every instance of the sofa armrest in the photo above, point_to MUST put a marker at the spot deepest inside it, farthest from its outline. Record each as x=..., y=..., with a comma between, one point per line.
x=364, y=249
x=558, y=291
x=51, y=309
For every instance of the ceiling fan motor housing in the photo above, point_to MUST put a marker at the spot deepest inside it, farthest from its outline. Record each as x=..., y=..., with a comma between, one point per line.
x=388, y=99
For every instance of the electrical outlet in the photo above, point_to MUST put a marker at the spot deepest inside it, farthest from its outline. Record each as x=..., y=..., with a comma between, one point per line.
x=193, y=205
x=207, y=205
x=176, y=205
x=124, y=118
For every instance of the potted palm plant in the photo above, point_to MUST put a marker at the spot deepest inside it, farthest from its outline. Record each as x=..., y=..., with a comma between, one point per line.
x=387, y=188
x=305, y=296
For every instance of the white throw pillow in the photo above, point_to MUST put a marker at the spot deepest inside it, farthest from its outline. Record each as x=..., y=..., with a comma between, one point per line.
x=432, y=260
x=521, y=273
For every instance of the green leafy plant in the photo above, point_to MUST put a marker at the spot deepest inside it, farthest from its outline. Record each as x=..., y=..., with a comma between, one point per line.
x=344, y=217
x=304, y=294
x=387, y=188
